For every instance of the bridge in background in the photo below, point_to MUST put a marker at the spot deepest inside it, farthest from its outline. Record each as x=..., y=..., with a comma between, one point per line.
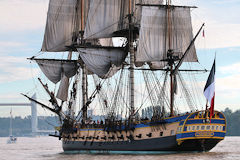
x=34, y=118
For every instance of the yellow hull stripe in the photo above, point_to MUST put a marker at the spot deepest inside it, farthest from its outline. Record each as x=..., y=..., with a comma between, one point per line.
x=221, y=138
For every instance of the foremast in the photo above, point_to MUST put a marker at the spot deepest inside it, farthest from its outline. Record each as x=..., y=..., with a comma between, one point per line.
x=64, y=27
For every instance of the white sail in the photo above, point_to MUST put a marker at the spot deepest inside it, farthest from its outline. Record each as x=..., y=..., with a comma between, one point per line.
x=63, y=89
x=104, y=18
x=64, y=85
x=106, y=42
x=108, y=16
x=153, y=40
x=55, y=69
x=63, y=24
x=151, y=1
x=104, y=62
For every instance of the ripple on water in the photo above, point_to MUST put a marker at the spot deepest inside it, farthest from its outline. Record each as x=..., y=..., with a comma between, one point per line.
x=48, y=148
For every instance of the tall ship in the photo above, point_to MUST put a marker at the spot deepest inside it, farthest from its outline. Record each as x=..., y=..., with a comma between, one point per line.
x=129, y=61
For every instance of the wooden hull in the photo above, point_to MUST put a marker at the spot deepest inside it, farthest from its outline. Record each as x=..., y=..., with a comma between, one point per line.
x=157, y=144
x=184, y=133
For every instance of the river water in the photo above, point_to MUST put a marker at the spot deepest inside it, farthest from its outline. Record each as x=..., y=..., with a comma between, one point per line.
x=49, y=148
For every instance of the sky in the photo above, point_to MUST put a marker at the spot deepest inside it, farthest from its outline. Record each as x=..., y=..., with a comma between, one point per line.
x=22, y=25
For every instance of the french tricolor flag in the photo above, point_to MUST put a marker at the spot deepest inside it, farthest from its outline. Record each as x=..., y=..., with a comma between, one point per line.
x=209, y=90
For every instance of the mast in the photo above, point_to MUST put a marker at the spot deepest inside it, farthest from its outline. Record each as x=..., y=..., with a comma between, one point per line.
x=84, y=92
x=10, y=127
x=171, y=28
x=131, y=50
x=84, y=75
x=71, y=110
x=170, y=57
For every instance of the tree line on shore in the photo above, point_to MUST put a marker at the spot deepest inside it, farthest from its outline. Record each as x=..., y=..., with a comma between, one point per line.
x=22, y=126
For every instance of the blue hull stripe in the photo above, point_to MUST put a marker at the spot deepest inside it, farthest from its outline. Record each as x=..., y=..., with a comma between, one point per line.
x=192, y=134
x=181, y=123
x=199, y=121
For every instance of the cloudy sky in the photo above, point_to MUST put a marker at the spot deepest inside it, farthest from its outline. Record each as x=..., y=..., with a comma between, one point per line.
x=22, y=27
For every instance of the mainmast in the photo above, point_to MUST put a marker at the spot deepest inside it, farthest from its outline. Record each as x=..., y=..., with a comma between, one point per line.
x=84, y=74
x=170, y=57
x=131, y=50
x=84, y=93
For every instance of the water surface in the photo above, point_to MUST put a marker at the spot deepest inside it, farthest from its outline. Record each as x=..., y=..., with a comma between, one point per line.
x=49, y=148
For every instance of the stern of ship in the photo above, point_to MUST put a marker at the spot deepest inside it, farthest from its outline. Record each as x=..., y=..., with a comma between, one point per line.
x=199, y=132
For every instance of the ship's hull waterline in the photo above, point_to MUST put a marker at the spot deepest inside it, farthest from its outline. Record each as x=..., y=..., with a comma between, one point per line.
x=157, y=144
x=175, y=134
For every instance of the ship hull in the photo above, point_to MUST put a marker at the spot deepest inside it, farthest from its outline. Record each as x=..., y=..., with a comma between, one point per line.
x=191, y=132
x=198, y=145
x=156, y=144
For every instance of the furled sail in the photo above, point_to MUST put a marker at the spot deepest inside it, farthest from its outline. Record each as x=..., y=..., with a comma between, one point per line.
x=153, y=40
x=63, y=24
x=104, y=62
x=54, y=69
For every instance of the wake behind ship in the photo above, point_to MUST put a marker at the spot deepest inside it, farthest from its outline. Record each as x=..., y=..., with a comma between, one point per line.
x=139, y=72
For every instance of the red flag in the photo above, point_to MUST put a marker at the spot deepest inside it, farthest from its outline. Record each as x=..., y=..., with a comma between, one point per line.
x=212, y=107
